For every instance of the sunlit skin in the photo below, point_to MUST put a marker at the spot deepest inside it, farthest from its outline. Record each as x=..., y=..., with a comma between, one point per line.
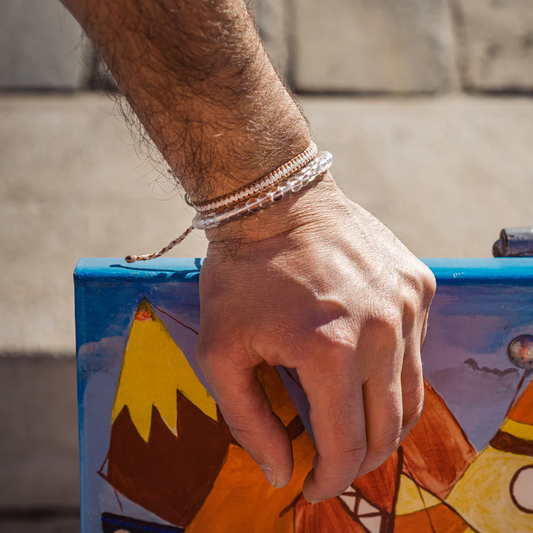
x=314, y=283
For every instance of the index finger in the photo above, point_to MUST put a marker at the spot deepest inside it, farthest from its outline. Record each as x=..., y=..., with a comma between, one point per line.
x=248, y=412
x=338, y=420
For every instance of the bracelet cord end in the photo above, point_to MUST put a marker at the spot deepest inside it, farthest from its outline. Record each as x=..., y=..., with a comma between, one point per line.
x=289, y=178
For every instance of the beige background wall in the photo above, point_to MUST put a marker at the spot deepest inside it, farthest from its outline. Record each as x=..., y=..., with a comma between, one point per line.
x=425, y=104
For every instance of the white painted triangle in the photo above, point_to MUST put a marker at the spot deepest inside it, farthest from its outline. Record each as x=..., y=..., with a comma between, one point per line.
x=372, y=523
x=349, y=499
x=366, y=508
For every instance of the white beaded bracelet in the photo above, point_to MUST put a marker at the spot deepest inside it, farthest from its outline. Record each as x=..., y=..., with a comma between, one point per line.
x=265, y=199
x=252, y=200
x=257, y=186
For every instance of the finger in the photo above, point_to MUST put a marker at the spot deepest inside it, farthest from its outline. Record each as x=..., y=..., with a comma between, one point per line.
x=413, y=379
x=248, y=413
x=338, y=421
x=424, y=330
x=382, y=395
x=412, y=389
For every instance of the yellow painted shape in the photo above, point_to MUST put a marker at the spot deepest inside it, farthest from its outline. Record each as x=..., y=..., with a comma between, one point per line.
x=153, y=369
x=412, y=498
x=242, y=500
x=482, y=496
x=518, y=429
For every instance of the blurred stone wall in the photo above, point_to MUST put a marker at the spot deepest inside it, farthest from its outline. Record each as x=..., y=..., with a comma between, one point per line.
x=383, y=47
x=424, y=103
x=41, y=47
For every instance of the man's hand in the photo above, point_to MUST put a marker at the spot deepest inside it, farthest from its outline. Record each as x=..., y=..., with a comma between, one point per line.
x=315, y=282
x=318, y=284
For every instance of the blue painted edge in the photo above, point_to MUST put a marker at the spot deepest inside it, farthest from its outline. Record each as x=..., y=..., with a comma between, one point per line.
x=107, y=269
x=447, y=271
x=500, y=270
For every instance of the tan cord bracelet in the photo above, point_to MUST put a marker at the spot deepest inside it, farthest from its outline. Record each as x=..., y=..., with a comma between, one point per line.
x=287, y=179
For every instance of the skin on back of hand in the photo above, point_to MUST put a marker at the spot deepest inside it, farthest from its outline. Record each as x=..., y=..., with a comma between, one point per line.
x=315, y=283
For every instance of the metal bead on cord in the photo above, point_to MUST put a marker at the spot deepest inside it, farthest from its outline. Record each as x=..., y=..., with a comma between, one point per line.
x=289, y=178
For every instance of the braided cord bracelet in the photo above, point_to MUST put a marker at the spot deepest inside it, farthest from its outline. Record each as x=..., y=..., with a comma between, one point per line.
x=259, y=195
x=257, y=186
x=293, y=184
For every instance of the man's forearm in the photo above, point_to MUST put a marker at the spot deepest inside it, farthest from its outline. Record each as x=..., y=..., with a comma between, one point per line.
x=197, y=76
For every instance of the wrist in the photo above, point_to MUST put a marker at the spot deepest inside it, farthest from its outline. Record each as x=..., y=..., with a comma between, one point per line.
x=243, y=159
x=313, y=205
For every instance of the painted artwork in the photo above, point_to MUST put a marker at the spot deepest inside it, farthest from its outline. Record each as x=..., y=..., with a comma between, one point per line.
x=157, y=456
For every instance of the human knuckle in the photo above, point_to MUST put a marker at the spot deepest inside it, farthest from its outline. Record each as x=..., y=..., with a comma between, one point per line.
x=387, y=445
x=413, y=412
x=418, y=292
x=207, y=358
x=355, y=453
x=410, y=311
x=412, y=417
x=236, y=418
x=427, y=284
x=413, y=384
x=237, y=425
x=339, y=344
x=384, y=331
x=256, y=413
x=203, y=360
x=389, y=320
x=239, y=431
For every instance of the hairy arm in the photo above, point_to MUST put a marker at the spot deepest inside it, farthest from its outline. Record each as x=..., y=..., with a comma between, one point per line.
x=197, y=76
x=314, y=283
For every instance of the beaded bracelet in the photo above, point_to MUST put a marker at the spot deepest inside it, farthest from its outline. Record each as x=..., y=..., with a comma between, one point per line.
x=257, y=186
x=260, y=199
x=293, y=184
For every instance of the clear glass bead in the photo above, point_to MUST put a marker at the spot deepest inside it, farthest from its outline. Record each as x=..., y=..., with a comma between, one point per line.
x=196, y=222
x=264, y=199
x=325, y=161
x=230, y=214
x=210, y=222
x=242, y=209
x=292, y=180
x=254, y=205
x=221, y=217
x=285, y=189
x=296, y=184
x=276, y=194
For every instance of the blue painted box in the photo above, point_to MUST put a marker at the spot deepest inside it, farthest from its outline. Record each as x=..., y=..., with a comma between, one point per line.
x=156, y=454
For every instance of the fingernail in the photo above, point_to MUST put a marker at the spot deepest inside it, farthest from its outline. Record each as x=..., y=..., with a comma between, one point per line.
x=269, y=474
